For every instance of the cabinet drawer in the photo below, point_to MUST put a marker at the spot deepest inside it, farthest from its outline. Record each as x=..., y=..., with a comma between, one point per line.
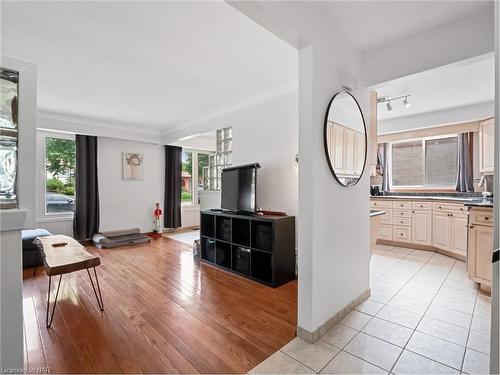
x=385, y=232
x=421, y=205
x=449, y=207
x=481, y=217
x=401, y=213
x=402, y=221
x=381, y=204
x=402, y=234
x=403, y=205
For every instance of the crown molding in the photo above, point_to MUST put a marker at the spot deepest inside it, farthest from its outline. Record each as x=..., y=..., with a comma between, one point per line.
x=58, y=121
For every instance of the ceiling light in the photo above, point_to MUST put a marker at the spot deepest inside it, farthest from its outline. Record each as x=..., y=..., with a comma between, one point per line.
x=406, y=103
x=389, y=106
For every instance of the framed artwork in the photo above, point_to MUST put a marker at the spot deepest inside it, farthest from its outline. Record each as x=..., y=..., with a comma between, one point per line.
x=133, y=166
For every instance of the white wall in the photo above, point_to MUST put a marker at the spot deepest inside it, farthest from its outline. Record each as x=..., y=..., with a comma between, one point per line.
x=333, y=257
x=266, y=133
x=128, y=204
x=450, y=43
x=471, y=112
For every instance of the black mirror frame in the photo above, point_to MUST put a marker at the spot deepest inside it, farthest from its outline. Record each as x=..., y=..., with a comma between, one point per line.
x=325, y=142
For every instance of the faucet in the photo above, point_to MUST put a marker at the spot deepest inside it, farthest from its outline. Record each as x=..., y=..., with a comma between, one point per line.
x=483, y=182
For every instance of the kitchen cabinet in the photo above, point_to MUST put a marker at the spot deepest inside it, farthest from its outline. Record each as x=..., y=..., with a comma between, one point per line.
x=427, y=225
x=487, y=146
x=459, y=234
x=338, y=149
x=480, y=246
x=346, y=150
x=441, y=230
x=350, y=152
x=449, y=228
x=421, y=227
x=360, y=146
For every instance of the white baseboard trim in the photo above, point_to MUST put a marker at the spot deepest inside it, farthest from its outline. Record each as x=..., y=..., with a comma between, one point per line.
x=312, y=337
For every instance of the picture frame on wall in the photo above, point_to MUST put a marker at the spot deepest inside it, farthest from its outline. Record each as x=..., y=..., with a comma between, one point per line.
x=133, y=166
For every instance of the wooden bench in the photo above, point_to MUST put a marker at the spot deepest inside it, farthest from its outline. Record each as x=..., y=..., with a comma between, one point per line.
x=62, y=254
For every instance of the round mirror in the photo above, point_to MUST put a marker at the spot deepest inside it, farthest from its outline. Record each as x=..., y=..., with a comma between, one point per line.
x=345, y=139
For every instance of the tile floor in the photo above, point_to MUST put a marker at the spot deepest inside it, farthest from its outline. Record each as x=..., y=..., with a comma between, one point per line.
x=423, y=317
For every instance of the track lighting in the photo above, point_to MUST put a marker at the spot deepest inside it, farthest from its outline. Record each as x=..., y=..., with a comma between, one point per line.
x=406, y=102
x=387, y=100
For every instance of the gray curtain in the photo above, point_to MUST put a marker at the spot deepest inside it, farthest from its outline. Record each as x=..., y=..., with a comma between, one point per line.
x=173, y=186
x=383, y=165
x=86, y=218
x=465, y=181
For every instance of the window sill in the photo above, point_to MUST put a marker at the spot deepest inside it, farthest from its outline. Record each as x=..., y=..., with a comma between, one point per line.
x=190, y=208
x=55, y=218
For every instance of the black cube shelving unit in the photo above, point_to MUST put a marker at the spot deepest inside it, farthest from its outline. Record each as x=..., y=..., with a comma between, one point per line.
x=261, y=248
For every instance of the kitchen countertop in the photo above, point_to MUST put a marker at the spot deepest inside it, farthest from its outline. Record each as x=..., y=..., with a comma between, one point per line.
x=374, y=213
x=486, y=204
x=457, y=199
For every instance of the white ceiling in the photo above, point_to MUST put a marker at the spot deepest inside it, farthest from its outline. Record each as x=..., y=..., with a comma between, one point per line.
x=370, y=25
x=449, y=87
x=156, y=65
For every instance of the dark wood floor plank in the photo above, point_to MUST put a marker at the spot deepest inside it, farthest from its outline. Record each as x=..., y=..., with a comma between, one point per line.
x=164, y=313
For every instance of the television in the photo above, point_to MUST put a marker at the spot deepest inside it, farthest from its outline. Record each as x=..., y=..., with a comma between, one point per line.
x=239, y=188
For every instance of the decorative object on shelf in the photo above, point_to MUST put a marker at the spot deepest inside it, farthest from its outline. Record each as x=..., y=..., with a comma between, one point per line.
x=387, y=100
x=8, y=137
x=344, y=135
x=133, y=166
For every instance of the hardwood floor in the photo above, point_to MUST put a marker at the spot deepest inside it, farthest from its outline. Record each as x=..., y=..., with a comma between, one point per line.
x=164, y=313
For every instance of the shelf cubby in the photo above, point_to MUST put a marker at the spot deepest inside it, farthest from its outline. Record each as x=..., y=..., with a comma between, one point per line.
x=223, y=228
x=223, y=254
x=208, y=249
x=260, y=248
x=262, y=266
x=262, y=235
x=207, y=227
x=241, y=259
x=241, y=232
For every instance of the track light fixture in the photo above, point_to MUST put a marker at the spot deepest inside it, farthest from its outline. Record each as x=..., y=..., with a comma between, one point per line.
x=406, y=102
x=387, y=100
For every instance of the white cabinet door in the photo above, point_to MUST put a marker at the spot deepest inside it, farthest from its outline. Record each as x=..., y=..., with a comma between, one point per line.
x=339, y=151
x=487, y=146
x=350, y=152
x=360, y=146
x=441, y=230
x=422, y=227
x=459, y=235
x=479, y=254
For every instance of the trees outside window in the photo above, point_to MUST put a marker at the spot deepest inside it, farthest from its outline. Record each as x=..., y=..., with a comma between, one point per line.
x=59, y=175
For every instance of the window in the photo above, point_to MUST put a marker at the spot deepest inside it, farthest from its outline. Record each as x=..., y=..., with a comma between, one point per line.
x=427, y=162
x=222, y=158
x=59, y=175
x=187, y=179
x=203, y=162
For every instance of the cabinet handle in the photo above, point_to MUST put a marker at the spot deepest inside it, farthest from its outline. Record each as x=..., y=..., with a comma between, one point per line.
x=421, y=205
x=413, y=212
x=486, y=218
x=451, y=214
x=471, y=226
x=440, y=207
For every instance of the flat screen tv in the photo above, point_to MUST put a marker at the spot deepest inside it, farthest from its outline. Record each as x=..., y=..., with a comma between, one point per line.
x=239, y=188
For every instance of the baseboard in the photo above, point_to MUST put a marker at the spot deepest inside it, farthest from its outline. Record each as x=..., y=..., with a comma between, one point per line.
x=421, y=247
x=180, y=230
x=314, y=336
